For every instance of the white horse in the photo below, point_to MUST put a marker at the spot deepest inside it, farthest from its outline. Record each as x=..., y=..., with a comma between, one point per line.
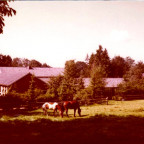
x=54, y=106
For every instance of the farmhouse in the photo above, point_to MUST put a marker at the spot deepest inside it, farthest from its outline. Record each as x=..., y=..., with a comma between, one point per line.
x=19, y=78
x=110, y=87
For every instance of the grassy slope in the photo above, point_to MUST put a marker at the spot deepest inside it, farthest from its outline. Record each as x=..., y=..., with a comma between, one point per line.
x=118, y=122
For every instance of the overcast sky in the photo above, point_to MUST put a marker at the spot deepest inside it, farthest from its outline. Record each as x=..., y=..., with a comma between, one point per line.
x=57, y=31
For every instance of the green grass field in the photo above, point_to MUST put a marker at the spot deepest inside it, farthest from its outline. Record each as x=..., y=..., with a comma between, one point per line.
x=118, y=122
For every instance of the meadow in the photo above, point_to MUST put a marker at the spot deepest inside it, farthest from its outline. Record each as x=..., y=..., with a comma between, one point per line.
x=115, y=123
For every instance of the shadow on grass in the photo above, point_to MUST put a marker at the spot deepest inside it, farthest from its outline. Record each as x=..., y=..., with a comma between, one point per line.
x=26, y=112
x=96, y=129
x=18, y=112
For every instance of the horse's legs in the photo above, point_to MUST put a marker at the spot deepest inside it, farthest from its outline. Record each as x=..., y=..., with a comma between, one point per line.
x=55, y=110
x=45, y=111
x=79, y=111
x=67, y=112
x=74, y=112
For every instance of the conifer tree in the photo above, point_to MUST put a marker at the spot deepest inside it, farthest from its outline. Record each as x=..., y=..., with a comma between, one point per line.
x=31, y=89
x=97, y=82
x=100, y=59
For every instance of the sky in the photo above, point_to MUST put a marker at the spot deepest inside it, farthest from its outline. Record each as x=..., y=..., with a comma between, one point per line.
x=54, y=32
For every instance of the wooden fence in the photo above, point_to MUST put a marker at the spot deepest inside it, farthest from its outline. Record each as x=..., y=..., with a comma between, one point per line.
x=133, y=97
x=98, y=100
x=36, y=105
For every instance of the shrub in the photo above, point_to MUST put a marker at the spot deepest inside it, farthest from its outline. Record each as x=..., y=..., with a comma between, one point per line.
x=11, y=100
x=46, y=97
x=117, y=98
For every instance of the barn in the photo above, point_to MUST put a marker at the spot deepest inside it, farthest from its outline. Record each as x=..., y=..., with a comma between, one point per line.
x=19, y=78
x=110, y=87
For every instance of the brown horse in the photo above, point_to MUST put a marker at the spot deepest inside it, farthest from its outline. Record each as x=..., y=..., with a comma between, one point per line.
x=72, y=105
x=54, y=106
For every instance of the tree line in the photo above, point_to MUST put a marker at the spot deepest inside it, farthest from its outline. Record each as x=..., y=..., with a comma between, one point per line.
x=71, y=84
x=116, y=67
x=97, y=67
x=7, y=61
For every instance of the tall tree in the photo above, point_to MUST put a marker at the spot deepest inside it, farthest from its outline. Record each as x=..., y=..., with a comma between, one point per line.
x=31, y=89
x=91, y=61
x=135, y=73
x=82, y=69
x=35, y=63
x=80, y=84
x=87, y=59
x=5, y=60
x=118, y=66
x=129, y=63
x=17, y=62
x=67, y=89
x=45, y=65
x=26, y=62
x=97, y=82
x=70, y=69
x=5, y=10
x=134, y=80
x=53, y=87
x=101, y=59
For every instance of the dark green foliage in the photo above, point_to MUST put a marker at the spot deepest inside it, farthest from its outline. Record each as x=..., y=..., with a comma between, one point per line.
x=17, y=62
x=70, y=69
x=12, y=100
x=100, y=59
x=67, y=89
x=31, y=89
x=134, y=81
x=97, y=82
x=120, y=66
x=135, y=73
x=76, y=69
x=5, y=10
x=83, y=95
x=35, y=63
x=133, y=87
x=53, y=89
x=96, y=87
x=91, y=61
x=45, y=65
x=46, y=97
x=80, y=84
x=81, y=69
x=5, y=60
x=118, y=98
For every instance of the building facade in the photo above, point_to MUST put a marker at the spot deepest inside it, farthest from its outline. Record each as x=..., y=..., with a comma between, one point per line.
x=19, y=78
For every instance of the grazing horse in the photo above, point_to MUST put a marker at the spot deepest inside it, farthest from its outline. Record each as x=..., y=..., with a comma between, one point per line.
x=54, y=106
x=72, y=105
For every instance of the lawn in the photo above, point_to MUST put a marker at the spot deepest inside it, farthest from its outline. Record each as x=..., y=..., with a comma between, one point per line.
x=118, y=122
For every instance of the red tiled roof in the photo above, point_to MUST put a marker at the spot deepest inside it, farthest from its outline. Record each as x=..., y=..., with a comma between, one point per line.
x=110, y=82
x=9, y=75
x=113, y=82
x=9, y=78
x=38, y=72
x=47, y=72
